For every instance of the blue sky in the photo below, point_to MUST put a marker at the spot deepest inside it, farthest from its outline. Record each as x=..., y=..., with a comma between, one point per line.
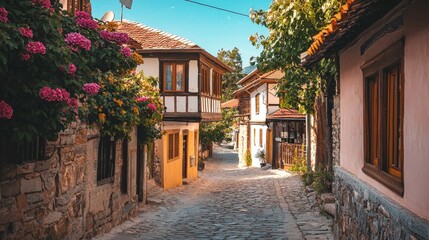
x=209, y=28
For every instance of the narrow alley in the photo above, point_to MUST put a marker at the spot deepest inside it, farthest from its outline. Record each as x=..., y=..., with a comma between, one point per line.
x=227, y=202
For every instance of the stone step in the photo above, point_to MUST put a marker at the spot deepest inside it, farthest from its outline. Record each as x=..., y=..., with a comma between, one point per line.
x=328, y=198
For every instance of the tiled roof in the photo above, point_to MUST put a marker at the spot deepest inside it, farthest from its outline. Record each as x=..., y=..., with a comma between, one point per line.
x=330, y=28
x=150, y=38
x=233, y=103
x=353, y=18
x=285, y=113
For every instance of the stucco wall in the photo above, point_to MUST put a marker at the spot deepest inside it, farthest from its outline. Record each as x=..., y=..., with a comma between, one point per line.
x=150, y=67
x=262, y=90
x=255, y=146
x=416, y=110
x=172, y=170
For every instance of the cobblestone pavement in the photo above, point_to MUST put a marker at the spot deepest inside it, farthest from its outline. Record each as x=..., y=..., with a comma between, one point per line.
x=228, y=202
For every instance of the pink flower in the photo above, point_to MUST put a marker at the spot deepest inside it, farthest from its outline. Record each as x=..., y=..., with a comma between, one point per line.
x=126, y=51
x=26, y=32
x=142, y=99
x=6, y=110
x=151, y=106
x=118, y=37
x=3, y=15
x=25, y=56
x=72, y=69
x=43, y=3
x=73, y=102
x=86, y=23
x=36, y=47
x=78, y=40
x=91, y=88
x=82, y=14
x=54, y=95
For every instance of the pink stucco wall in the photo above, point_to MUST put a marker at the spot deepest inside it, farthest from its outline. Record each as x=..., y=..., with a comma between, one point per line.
x=416, y=114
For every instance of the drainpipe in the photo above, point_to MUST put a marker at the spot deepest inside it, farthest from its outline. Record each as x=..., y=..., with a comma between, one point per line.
x=308, y=134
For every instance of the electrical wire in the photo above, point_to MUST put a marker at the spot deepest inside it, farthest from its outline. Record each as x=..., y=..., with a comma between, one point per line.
x=218, y=8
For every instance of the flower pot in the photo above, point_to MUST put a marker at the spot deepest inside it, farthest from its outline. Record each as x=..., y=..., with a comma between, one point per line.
x=263, y=164
x=201, y=166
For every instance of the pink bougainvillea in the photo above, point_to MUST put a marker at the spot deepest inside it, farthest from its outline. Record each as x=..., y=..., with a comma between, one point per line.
x=73, y=102
x=25, y=56
x=118, y=37
x=26, y=32
x=142, y=99
x=86, y=23
x=43, y=3
x=126, y=51
x=36, y=47
x=54, y=95
x=91, y=88
x=3, y=15
x=82, y=14
x=72, y=69
x=78, y=40
x=6, y=110
x=151, y=106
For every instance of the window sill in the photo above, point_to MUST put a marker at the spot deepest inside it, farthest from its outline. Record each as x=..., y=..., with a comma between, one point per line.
x=393, y=183
x=105, y=181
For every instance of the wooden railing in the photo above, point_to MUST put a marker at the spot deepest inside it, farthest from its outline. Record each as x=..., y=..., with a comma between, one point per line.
x=290, y=151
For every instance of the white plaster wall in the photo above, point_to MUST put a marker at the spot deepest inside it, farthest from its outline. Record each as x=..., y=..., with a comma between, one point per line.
x=192, y=104
x=255, y=145
x=150, y=67
x=416, y=110
x=261, y=117
x=180, y=126
x=193, y=76
x=272, y=109
x=169, y=103
x=181, y=104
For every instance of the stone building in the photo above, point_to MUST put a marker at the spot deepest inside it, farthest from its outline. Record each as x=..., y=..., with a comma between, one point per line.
x=380, y=133
x=67, y=192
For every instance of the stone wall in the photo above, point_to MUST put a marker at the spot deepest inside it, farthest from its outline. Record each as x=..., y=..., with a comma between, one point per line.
x=336, y=122
x=54, y=198
x=362, y=212
x=243, y=143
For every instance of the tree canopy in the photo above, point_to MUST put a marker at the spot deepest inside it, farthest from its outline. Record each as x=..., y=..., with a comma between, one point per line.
x=292, y=24
x=232, y=58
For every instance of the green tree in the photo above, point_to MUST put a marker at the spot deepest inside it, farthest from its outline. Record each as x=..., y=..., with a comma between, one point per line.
x=232, y=58
x=217, y=131
x=292, y=24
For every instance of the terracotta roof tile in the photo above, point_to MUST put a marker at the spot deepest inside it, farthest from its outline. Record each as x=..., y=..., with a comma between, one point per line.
x=233, y=103
x=150, y=38
x=285, y=113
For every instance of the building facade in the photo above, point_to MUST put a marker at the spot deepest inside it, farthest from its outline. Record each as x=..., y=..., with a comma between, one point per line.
x=191, y=90
x=380, y=118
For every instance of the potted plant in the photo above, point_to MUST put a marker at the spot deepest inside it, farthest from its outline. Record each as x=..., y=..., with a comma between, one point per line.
x=261, y=155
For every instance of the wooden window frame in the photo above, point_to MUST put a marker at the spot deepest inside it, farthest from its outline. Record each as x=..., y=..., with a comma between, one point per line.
x=173, y=145
x=174, y=76
x=254, y=137
x=260, y=137
x=106, y=160
x=74, y=5
x=205, y=80
x=376, y=164
x=257, y=103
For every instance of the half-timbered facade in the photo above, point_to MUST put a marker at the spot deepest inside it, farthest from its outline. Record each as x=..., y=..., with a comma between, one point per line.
x=191, y=89
x=257, y=100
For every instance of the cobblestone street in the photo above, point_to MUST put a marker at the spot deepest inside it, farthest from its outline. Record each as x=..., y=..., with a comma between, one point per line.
x=228, y=202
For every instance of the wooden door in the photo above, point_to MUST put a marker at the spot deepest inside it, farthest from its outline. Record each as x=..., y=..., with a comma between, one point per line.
x=269, y=144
